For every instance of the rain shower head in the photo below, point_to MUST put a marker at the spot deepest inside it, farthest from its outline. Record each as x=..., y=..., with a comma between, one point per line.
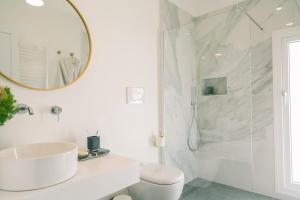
x=243, y=10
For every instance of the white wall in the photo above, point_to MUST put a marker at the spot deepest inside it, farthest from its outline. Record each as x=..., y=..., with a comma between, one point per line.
x=124, y=35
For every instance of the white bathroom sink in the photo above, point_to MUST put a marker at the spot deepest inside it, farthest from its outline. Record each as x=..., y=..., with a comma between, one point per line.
x=36, y=166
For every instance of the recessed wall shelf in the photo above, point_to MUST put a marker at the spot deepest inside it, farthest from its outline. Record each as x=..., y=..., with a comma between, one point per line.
x=214, y=86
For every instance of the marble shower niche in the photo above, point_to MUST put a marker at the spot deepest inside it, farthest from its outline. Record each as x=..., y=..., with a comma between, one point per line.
x=226, y=51
x=214, y=86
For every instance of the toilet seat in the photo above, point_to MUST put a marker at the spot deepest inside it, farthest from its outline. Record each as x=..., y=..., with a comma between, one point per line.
x=161, y=175
x=158, y=182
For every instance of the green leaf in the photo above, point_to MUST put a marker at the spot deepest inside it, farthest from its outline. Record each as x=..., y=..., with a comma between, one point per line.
x=8, y=106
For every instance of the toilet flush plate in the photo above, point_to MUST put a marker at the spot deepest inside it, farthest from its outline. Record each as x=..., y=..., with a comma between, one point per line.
x=134, y=95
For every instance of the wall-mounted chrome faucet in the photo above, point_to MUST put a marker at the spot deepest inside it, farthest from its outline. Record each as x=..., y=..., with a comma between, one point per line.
x=23, y=108
x=56, y=110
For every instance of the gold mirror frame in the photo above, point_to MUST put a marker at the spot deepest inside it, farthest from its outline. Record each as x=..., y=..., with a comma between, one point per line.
x=85, y=66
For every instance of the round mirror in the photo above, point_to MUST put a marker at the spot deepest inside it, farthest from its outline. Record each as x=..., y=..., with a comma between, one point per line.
x=44, y=44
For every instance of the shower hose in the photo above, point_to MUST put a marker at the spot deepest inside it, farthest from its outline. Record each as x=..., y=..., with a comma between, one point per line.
x=194, y=121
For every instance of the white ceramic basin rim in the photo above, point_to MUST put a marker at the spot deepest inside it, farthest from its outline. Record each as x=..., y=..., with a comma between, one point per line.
x=36, y=166
x=36, y=151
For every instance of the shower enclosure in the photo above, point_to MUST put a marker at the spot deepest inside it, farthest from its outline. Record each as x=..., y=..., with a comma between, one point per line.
x=217, y=90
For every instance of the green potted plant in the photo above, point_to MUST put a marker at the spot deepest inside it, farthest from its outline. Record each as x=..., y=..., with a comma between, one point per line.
x=8, y=106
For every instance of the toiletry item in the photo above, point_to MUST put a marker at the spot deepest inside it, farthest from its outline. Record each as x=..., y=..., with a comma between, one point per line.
x=83, y=154
x=209, y=90
x=93, y=143
x=99, y=152
x=94, y=150
x=95, y=154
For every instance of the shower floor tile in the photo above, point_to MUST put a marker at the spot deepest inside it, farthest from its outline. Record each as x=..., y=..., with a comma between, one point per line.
x=200, y=189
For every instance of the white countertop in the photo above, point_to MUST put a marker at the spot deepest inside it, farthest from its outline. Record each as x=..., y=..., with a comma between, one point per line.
x=95, y=179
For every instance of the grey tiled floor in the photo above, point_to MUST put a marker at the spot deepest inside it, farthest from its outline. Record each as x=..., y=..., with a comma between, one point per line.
x=200, y=189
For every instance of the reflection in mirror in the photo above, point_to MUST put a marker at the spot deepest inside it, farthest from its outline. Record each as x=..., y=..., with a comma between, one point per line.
x=44, y=44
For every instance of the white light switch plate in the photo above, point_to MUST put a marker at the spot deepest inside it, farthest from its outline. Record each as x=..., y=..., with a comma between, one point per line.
x=135, y=95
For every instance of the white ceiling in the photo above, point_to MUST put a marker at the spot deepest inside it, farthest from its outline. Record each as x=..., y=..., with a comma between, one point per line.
x=200, y=7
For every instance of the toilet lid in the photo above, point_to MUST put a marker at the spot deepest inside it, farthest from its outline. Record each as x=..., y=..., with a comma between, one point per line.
x=160, y=174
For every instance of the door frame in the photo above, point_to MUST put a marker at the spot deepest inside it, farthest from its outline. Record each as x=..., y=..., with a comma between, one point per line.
x=281, y=98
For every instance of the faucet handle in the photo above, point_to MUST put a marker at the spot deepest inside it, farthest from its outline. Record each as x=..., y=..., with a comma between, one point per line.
x=56, y=110
x=30, y=110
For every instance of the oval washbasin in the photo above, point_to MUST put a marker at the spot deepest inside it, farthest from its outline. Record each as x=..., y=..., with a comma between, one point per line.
x=36, y=166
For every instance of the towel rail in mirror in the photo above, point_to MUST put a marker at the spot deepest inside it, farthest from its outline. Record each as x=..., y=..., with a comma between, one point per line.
x=44, y=44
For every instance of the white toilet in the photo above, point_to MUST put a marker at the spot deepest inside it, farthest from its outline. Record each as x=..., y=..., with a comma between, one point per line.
x=158, y=182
